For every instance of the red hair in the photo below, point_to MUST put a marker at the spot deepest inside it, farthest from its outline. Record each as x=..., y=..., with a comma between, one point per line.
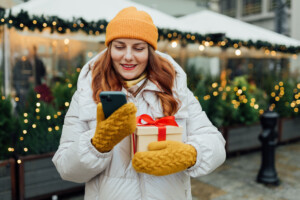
x=159, y=70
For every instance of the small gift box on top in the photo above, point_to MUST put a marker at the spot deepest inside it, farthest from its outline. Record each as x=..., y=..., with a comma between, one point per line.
x=151, y=130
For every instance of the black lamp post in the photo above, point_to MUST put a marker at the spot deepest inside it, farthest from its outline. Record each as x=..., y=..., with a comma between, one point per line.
x=267, y=173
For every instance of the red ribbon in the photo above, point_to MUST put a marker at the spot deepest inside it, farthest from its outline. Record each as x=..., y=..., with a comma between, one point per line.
x=160, y=123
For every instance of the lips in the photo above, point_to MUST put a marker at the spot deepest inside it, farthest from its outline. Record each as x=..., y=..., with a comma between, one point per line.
x=128, y=66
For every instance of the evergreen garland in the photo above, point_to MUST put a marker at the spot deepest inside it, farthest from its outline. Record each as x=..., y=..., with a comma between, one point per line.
x=22, y=20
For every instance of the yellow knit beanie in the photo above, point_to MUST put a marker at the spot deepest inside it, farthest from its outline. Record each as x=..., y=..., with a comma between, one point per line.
x=134, y=24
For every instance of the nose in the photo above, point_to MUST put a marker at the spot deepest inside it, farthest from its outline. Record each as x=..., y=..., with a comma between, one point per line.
x=128, y=55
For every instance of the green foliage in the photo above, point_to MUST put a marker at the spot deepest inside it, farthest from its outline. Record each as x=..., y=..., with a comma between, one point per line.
x=7, y=127
x=41, y=122
x=236, y=103
x=284, y=98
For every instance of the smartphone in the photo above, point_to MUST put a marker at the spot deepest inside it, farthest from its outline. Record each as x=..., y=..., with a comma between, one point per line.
x=111, y=101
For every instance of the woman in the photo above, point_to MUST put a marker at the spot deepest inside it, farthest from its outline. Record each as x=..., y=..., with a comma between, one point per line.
x=96, y=151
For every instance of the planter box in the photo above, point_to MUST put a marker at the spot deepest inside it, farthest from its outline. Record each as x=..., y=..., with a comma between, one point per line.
x=241, y=138
x=39, y=179
x=7, y=179
x=289, y=129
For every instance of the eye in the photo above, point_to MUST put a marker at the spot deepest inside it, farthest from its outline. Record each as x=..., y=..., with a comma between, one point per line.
x=140, y=49
x=119, y=47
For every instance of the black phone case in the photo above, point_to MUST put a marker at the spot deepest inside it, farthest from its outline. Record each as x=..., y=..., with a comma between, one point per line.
x=111, y=101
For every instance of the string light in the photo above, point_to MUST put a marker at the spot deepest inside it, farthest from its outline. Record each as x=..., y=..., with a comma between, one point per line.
x=201, y=47
x=174, y=44
x=238, y=52
x=67, y=104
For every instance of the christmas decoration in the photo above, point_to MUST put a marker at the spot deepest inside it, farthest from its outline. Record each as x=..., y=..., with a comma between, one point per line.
x=23, y=21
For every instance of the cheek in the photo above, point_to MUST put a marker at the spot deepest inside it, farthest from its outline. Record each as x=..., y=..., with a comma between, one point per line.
x=116, y=57
x=143, y=59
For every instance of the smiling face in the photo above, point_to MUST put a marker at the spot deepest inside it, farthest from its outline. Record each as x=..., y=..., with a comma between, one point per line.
x=129, y=57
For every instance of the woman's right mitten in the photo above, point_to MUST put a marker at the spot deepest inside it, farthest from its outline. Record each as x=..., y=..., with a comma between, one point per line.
x=115, y=128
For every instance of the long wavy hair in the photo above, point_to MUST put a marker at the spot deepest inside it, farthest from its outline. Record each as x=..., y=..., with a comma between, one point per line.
x=159, y=70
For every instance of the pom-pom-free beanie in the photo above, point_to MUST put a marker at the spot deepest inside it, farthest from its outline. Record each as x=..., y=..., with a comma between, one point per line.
x=134, y=24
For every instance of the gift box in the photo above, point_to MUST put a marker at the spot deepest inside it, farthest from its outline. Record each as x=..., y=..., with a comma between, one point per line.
x=149, y=130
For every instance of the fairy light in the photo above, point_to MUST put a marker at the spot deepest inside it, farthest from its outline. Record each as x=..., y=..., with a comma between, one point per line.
x=25, y=114
x=276, y=87
x=33, y=125
x=238, y=52
x=3, y=97
x=228, y=88
x=240, y=91
x=256, y=106
x=21, y=138
x=245, y=101
x=273, y=53
x=293, y=104
x=38, y=117
x=220, y=89
x=261, y=111
x=50, y=129
x=37, y=110
x=25, y=121
x=34, y=22
x=174, y=44
x=25, y=149
x=201, y=47
x=45, y=25
x=17, y=99
x=280, y=83
x=78, y=69
x=54, y=23
x=215, y=93
x=58, y=113
x=38, y=96
x=48, y=117
x=19, y=161
x=10, y=149
x=56, y=128
x=38, y=104
x=66, y=41
x=214, y=85
x=296, y=110
x=298, y=85
x=273, y=94
x=277, y=98
x=102, y=26
x=55, y=116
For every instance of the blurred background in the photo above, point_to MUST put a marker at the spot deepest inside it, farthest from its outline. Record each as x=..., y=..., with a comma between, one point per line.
x=242, y=63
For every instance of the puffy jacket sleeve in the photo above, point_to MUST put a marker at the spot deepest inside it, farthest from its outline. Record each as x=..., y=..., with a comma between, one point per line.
x=76, y=158
x=205, y=137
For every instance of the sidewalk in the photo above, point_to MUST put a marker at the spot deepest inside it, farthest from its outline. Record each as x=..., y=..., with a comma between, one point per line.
x=236, y=178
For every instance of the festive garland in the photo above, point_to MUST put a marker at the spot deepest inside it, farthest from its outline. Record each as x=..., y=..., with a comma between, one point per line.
x=22, y=20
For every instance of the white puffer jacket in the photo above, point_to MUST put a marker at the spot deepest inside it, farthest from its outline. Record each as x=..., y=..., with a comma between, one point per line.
x=110, y=176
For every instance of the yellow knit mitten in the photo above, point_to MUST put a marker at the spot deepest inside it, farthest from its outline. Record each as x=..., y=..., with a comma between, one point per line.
x=164, y=158
x=115, y=128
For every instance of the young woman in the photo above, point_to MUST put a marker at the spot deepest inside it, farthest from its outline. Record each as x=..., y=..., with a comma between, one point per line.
x=96, y=151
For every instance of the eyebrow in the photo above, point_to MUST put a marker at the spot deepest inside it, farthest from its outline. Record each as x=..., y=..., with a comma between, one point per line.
x=120, y=42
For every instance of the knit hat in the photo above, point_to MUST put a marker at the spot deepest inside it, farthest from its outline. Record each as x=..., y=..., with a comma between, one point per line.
x=134, y=24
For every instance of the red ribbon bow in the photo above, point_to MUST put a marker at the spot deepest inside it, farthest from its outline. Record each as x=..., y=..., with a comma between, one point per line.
x=160, y=123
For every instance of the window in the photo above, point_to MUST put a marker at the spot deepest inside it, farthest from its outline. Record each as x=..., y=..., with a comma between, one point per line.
x=273, y=4
x=251, y=7
x=228, y=7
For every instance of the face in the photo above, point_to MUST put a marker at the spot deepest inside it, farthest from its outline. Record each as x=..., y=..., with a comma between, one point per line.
x=129, y=57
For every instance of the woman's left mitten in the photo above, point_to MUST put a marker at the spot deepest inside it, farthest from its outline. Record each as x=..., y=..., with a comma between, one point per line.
x=164, y=158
